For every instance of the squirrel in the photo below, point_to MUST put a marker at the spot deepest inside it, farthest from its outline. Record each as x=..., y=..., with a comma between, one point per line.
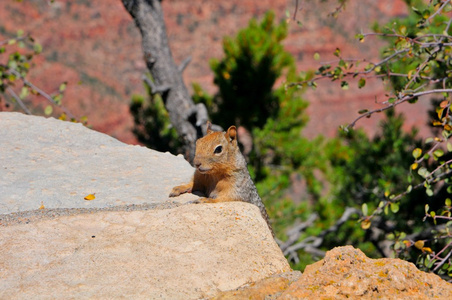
x=221, y=172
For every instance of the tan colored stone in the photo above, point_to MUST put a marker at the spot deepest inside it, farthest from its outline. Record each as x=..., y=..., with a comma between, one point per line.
x=346, y=273
x=187, y=252
x=269, y=288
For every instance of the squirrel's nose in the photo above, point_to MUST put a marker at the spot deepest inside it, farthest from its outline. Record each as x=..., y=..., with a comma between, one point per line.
x=197, y=164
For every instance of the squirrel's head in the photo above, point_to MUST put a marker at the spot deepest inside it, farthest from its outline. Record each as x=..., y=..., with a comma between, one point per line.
x=216, y=152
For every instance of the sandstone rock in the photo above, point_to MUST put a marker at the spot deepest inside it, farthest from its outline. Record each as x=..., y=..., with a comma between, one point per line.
x=268, y=288
x=56, y=164
x=188, y=252
x=346, y=273
x=131, y=241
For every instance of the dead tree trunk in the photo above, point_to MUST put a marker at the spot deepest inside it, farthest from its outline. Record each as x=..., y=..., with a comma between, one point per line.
x=185, y=116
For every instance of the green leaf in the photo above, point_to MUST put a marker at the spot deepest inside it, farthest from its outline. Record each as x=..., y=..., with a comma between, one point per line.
x=438, y=153
x=449, y=189
x=426, y=208
x=37, y=48
x=394, y=207
x=57, y=98
x=429, y=192
x=63, y=86
x=448, y=202
x=409, y=188
x=344, y=85
x=316, y=56
x=360, y=37
x=23, y=92
x=449, y=147
x=423, y=172
x=48, y=110
x=287, y=13
x=416, y=10
x=402, y=29
x=363, y=111
x=337, y=52
x=364, y=209
x=361, y=83
x=417, y=153
x=426, y=14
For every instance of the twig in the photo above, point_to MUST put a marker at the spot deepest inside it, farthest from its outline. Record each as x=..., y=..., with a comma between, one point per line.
x=438, y=11
x=4, y=42
x=183, y=64
x=311, y=244
x=19, y=101
x=442, y=260
x=41, y=92
x=403, y=99
x=156, y=89
x=295, y=232
x=295, y=11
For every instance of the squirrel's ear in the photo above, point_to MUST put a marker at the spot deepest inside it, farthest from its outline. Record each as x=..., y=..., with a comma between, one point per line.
x=209, y=128
x=231, y=135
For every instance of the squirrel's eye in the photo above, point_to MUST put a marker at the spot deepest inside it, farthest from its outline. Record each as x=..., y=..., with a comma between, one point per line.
x=218, y=149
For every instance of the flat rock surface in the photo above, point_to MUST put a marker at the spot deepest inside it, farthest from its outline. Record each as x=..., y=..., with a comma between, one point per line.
x=131, y=241
x=56, y=164
x=188, y=252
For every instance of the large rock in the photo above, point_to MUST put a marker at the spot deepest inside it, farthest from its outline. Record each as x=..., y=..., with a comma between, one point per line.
x=346, y=273
x=131, y=241
x=56, y=164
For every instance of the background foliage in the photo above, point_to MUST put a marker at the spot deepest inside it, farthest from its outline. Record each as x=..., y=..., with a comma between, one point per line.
x=16, y=91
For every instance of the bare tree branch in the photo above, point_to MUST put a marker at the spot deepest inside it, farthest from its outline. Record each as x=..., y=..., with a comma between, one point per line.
x=184, y=64
x=18, y=100
x=41, y=92
x=148, y=17
x=401, y=100
x=311, y=244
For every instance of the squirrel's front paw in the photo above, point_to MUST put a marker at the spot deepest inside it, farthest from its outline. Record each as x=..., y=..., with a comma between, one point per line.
x=179, y=190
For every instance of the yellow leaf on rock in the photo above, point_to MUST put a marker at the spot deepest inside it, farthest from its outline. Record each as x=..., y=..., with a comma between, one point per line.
x=90, y=197
x=42, y=205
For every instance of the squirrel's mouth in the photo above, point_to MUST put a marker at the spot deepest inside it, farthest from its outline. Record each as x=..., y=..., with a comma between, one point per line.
x=203, y=170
